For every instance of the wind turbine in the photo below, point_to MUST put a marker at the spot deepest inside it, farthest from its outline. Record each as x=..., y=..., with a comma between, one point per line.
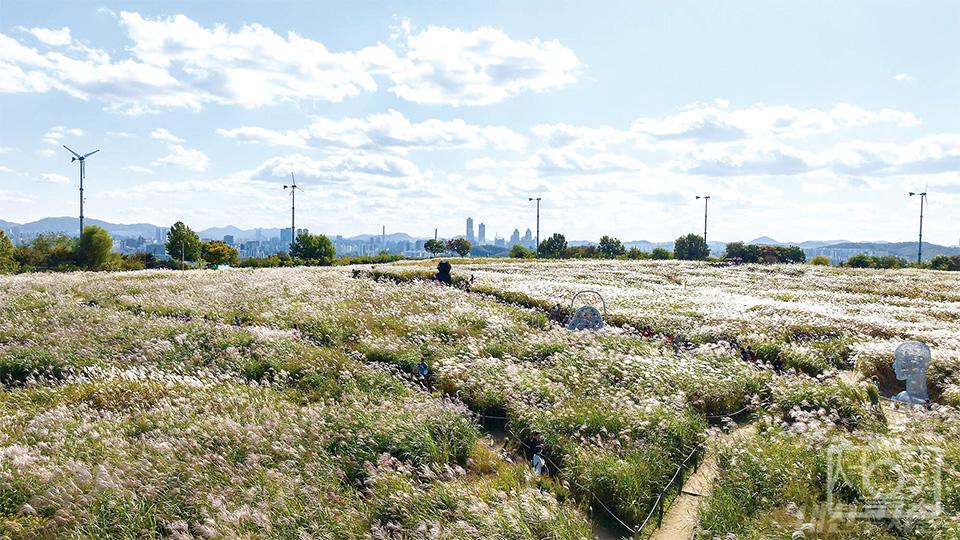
x=83, y=172
x=923, y=199
x=293, y=208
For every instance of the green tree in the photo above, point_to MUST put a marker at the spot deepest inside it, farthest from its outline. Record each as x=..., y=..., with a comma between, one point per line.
x=747, y=253
x=943, y=262
x=520, y=252
x=610, y=247
x=890, y=261
x=635, y=254
x=581, y=252
x=313, y=249
x=8, y=265
x=47, y=251
x=790, y=254
x=554, y=246
x=691, y=247
x=93, y=250
x=860, y=260
x=434, y=246
x=217, y=252
x=660, y=253
x=820, y=260
x=460, y=246
x=183, y=243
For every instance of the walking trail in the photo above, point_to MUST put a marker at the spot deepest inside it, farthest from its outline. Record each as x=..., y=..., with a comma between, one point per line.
x=681, y=518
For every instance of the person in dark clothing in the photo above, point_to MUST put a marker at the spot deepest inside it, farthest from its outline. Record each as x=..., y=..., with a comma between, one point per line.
x=423, y=369
x=443, y=272
x=557, y=313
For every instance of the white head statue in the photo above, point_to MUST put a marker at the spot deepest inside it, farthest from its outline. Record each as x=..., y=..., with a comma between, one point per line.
x=910, y=365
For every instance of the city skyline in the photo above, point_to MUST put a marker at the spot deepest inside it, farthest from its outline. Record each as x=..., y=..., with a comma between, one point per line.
x=416, y=117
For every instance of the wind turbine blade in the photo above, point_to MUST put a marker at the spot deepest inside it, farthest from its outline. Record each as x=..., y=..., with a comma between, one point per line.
x=92, y=153
x=71, y=151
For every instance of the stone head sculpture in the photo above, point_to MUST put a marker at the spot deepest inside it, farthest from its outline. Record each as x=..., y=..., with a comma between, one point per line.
x=910, y=366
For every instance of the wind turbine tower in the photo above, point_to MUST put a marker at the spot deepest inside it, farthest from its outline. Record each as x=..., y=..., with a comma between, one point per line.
x=83, y=172
x=293, y=208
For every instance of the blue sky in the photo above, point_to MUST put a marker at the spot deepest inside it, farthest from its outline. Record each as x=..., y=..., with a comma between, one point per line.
x=801, y=119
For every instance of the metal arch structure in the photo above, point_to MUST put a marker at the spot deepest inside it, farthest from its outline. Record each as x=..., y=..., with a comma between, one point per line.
x=600, y=296
x=587, y=317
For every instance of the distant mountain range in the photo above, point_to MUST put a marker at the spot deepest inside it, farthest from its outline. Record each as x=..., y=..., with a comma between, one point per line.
x=70, y=225
x=836, y=249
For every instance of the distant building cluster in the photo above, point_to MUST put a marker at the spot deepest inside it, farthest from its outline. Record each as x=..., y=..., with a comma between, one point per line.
x=480, y=239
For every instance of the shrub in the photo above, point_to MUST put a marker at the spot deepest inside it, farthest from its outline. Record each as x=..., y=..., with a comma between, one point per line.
x=660, y=253
x=520, y=252
x=820, y=260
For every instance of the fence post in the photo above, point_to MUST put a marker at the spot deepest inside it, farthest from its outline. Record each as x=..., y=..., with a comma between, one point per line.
x=659, y=515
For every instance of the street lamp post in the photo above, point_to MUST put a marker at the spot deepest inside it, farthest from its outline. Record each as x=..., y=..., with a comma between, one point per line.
x=538, y=222
x=923, y=198
x=706, y=202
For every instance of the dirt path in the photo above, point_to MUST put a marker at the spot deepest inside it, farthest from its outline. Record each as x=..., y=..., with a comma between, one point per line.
x=681, y=517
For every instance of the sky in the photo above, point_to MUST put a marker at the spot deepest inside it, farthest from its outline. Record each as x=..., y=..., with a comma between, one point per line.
x=801, y=120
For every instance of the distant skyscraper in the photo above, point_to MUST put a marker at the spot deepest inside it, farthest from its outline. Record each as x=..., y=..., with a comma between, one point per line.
x=515, y=237
x=470, y=229
x=482, y=234
x=286, y=236
x=161, y=236
x=228, y=239
x=528, y=236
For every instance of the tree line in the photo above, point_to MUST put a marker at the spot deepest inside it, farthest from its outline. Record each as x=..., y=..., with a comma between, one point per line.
x=62, y=253
x=690, y=247
x=94, y=251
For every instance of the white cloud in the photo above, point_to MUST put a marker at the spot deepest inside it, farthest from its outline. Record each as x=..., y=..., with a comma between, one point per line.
x=138, y=169
x=56, y=38
x=184, y=158
x=54, y=178
x=560, y=135
x=6, y=169
x=175, y=62
x=933, y=154
x=340, y=168
x=902, y=77
x=46, y=152
x=712, y=123
x=5, y=149
x=56, y=134
x=754, y=159
x=557, y=162
x=162, y=134
x=256, y=135
x=385, y=131
x=480, y=67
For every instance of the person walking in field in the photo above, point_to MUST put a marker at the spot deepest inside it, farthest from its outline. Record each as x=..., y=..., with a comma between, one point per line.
x=539, y=462
x=423, y=369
